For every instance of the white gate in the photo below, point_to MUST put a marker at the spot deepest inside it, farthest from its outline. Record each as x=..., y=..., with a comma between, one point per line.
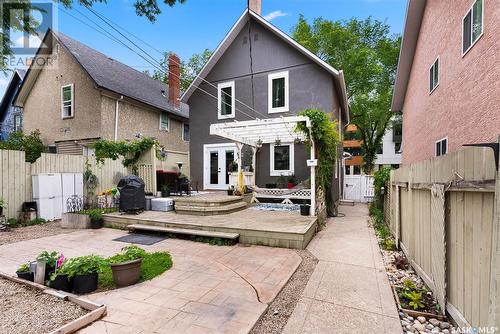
x=358, y=188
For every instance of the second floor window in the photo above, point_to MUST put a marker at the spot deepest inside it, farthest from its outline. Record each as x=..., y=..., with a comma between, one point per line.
x=441, y=147
x=278, y=92
x=472, y=26
x=434, y=76
x=225, y=92
x=67, y=101
x=164, y=122
x=185, y=131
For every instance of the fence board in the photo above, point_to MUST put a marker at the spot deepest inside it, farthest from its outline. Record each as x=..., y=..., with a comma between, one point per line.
x=450, y=241
x=15, y=174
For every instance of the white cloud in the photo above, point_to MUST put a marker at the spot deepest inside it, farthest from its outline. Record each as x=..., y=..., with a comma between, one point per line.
x=272, y=15
x=34, y=41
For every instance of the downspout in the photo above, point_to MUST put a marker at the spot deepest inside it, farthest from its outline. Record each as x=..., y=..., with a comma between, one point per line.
x=116, y=116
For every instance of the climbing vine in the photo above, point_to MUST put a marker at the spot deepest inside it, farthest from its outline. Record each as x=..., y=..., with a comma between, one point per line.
x=326, y=139
x=130, y=151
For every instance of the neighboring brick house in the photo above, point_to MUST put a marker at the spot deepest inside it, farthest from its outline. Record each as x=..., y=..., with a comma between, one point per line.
x=258, y=65
x=11, y=117
x=79, y=95
x=448, y=79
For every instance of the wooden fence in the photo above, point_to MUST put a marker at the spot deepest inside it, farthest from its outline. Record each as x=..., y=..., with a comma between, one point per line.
x=15, y=174
x=444, y=214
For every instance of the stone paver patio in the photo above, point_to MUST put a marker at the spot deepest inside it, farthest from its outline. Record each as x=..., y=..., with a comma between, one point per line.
x=348, y=291
x=210, y=289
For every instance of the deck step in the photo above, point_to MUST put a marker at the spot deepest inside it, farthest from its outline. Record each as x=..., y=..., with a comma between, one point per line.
x=200, y=233
x=208, y=202
x=193, y=209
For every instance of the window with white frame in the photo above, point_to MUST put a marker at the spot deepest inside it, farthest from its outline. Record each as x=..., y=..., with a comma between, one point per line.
x=164, y=121
x=278, y=92
x=282, y=159
x=472, y=26
x=18, y=122
x=67, y=101
x=185, y=131
x=441, y=147
x=225, y=95
x=434, y=76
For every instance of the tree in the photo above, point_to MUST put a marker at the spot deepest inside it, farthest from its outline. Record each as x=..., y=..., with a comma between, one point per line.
x=148, y=8
x=368, y=53
x=31, y=144
x=189, y=69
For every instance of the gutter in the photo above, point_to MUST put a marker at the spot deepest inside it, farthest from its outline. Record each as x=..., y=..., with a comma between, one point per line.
x=116, y=116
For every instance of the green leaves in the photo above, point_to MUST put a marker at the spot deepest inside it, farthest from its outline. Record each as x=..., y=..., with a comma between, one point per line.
x=50, y=258
x=416, y=300
x=128, y=253
x=130, y=151
x=83, y=265
x=368, y=54
x=31, y=144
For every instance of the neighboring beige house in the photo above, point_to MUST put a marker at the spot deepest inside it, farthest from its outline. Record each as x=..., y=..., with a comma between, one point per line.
x=76, y=95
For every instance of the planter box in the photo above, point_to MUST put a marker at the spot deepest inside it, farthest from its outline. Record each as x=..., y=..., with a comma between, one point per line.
x=75, y=221
x=414, y=313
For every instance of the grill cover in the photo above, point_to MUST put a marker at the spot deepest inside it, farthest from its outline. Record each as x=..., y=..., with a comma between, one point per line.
x=132, y=196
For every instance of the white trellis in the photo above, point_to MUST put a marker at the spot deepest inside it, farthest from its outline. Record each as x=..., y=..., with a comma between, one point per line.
x=256, y=132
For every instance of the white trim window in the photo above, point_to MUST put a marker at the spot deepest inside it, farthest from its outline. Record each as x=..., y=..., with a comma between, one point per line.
x=434, y=76
x=164, y=121
x=472, y=26
x=185, y=131
x=67, y=101
x=18, y=123
x=226, y=99
x=442, y=147
x=281, y=158
x=278, y=92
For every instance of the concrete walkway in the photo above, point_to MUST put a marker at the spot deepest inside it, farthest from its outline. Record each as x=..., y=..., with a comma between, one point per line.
x=348, y=291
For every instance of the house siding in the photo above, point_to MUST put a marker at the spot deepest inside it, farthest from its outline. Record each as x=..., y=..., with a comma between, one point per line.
x=309, y=86
x=42, y=109
x=464, y=107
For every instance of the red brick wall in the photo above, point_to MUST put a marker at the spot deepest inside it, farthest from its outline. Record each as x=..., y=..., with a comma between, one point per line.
x=465, y=107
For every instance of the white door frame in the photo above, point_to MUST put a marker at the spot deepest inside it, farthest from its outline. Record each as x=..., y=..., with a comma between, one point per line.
x=206, y=164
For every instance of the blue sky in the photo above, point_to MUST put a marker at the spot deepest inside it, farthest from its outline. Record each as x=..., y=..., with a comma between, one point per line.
x=199, y=24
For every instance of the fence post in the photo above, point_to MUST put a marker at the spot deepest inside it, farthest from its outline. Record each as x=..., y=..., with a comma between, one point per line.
x=438, y=244
x=494, y=307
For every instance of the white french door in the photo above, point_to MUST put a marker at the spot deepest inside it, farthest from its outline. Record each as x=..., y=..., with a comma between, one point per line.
x=217, y=158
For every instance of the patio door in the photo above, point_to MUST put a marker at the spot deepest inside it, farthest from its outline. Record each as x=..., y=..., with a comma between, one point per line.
x=217, y=158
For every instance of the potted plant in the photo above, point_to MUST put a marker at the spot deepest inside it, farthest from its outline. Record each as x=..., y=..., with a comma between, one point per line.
x=292, y=181
x=165, y=191
x=59, y=279
x=126, y=266
x=95, y=219
x=230, y=190
x=281, y=181
x=84, y=271
x=50, y=260
x=24, y=272
x=305, y=209
x=3, y=205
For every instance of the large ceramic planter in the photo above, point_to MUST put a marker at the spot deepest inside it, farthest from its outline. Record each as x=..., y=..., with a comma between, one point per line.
x=126, y=273
x=85, y=283
x=61, y=282
x=75, y=221
x=27, y=275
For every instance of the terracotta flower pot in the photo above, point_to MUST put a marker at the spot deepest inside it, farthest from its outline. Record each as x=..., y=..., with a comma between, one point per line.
x=126, y=273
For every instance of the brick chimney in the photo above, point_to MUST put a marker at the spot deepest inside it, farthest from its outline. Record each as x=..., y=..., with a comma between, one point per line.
x=255, y=6
x=174, y=81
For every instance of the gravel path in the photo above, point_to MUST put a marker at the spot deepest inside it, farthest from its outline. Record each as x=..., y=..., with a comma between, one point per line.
x=278, y=312
x=32, y=232
x=27, y=310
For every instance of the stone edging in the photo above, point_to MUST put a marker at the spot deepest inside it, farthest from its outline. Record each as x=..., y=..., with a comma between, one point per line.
x=97, y=311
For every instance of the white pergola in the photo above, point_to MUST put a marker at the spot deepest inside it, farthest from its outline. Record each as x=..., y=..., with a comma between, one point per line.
x=256, y=132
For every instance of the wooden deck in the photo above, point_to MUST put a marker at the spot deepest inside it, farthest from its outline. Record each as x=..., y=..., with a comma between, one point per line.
x=257, y=227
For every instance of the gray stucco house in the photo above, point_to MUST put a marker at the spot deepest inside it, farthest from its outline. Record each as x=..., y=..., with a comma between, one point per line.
x=11, y=117
x=259, y=72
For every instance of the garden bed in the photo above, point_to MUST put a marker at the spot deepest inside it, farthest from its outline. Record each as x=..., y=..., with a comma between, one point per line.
x=17, y=234
x=25, y=309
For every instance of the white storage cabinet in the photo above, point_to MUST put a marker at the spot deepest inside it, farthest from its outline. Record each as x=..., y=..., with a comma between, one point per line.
x=47, y=192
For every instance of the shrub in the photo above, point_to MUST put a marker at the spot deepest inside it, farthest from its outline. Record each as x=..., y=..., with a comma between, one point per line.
x=31, y=144
x=83, y=265
x=380, y=179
